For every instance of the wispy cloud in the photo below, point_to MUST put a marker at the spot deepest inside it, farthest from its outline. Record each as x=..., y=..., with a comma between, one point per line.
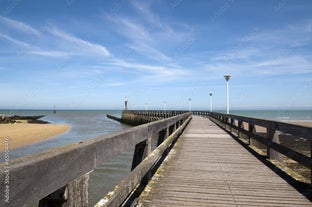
x=81, y=44
x=49, y=53
x=144, y=10
x=116, y=84
x=267, y=52
x=148, y=35
x=149, y=51
x=15, y=41
x=142, y=67
x=18, y=25
x=295, y=34
x=283, y=66
x=31, y=49
x=136, y=31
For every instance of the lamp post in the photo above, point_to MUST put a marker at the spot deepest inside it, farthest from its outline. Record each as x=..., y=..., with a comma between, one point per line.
x=126, y=103
x=227, y=78
x=210, y=94
x=190, y=104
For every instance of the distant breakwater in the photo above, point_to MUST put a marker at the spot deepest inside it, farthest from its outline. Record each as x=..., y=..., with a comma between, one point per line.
x=138, y=117
x=130, y=118
x=4, y=119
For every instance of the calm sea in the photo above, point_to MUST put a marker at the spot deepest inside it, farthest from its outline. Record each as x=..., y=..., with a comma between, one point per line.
x=85, y=124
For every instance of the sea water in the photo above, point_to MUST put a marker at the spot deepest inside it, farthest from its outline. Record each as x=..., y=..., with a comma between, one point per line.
x=83, y=124
x=86, y=124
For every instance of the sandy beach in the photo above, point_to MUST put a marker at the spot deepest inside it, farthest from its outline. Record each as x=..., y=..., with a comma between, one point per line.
x=19, y=134
x=302, y=123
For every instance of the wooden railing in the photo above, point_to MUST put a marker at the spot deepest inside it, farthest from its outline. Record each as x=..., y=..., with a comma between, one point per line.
x=61, y=175
x=269, y=134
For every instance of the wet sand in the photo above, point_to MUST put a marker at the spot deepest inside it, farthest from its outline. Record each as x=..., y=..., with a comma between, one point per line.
x=302, y=123
x=20, y=134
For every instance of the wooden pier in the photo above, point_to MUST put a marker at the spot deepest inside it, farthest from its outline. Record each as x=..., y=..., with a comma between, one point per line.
x=207, y=167
x=198, y=161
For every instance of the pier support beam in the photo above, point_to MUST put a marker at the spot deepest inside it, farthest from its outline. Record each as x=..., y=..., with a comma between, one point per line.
x=74, y=194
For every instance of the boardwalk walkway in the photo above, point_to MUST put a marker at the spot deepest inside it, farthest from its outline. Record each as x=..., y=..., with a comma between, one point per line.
x=209, y=168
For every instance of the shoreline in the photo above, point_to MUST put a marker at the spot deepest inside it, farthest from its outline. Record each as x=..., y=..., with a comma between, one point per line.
x=21, y=134
x=305, y=123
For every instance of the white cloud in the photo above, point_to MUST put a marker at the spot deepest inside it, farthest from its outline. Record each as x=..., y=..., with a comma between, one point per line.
x=155, y=69
x=149, y=36
x=115, y=84
x=15, y=41
x=144, y=9
x=284, y=65
x=149, y=51
x=272, y=52
x=80, y=43
x=19, y=26
x=298, y=34
x=234, y=54
x=49, y=53
x=31, y=49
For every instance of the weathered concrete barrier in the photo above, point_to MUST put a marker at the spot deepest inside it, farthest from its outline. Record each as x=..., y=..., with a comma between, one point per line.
x=143, y=164
x=58, y=177
x=138, y=117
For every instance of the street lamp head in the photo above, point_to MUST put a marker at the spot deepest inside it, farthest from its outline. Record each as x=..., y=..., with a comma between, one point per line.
x=210, y=94
x=227, y=77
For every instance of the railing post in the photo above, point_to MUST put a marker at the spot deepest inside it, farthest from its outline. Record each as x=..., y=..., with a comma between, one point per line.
x=232, y=122
x=251, y=130
x=311, y=164
x=73, y=194
x=78, y=192
x=240, y=127
x=272, y=136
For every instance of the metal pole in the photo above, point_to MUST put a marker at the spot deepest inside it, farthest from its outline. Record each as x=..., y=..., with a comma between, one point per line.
x=126, y=103
x=227, y=98
x=210, y=102
x=227, y=78
x=190, y=104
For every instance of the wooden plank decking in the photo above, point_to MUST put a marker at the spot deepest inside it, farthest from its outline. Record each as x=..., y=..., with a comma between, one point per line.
x=209, y=168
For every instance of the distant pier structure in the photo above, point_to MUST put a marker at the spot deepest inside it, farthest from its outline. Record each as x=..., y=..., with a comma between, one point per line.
x=126, y=103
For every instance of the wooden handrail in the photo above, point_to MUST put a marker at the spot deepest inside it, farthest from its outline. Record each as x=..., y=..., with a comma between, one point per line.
x=296, y=130
x=36, y=176
x=272, y=129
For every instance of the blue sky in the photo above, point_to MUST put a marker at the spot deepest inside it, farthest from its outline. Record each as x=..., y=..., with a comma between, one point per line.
x=78, y=54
